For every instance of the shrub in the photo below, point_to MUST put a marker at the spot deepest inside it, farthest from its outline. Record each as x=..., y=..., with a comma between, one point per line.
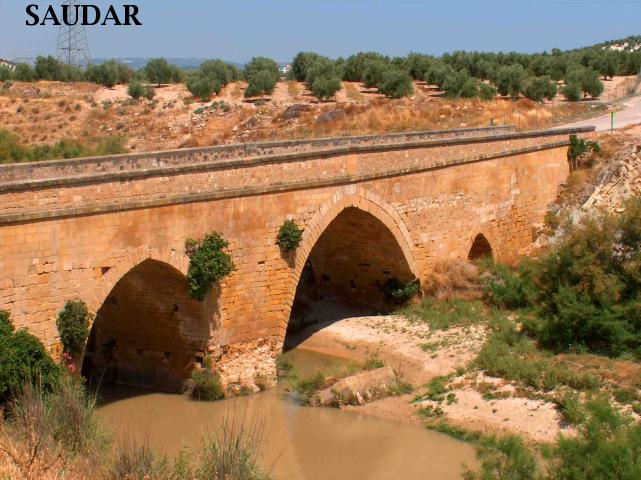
x=262, y=74
x=453, y=279
x=207, y=264
x=135, y=89
x=580, y=147
x=325, y=88
x=159, y=71
x=201, y=86
x=587, y=288
x=508, y=288
x=572, y=92
x=400, y=293
x=73, y=416
x=207, y=385
x=539, y=88
x=73, y=326
x=460, y=84
x=396, y=84
x=608, y=445
x=506, y=458
x=487, y=92
x=231, y=452
x=22, y=359
x=150, y=92
x=510, y=80
x=289, y=235
x=306, y=388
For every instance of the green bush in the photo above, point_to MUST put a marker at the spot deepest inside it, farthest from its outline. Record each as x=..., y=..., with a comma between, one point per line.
x=508, y=288
x=201, y=86
x=460, y=85
x=608, y=446
x=487, y=92
x=325, y=88
x=289, y=235
x=23, y=358
x=588, y=289
x=208, y=263
x=135, y=89
x=396, y=83
x=262, y=75
x=539, y=88
x=580, y=147
x=572, y=92
x=73, y=327
x=400, y=293
x=207, y=385
x=506, y=458
x=306, y=388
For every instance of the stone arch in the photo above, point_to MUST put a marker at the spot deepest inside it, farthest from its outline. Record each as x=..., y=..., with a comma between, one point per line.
x=348, y=197
x=96, y=295
x=480, y=248
x=147, y=332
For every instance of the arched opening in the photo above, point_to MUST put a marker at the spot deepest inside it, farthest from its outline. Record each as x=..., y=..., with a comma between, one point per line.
x=481, y=248
x=346, y=270
x=148, y=332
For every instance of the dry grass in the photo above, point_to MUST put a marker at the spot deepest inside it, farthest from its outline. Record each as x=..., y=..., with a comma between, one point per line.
x=352, y=92
x=237, y=92
x=292, y=89
x=382, y=115
x=453, y=279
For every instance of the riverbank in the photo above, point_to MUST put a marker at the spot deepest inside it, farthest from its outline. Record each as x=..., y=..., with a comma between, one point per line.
x=419, y=354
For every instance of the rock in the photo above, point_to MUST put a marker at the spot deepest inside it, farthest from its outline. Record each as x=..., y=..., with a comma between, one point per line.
x=295, y=111
x=331, y=116
x=357, y=389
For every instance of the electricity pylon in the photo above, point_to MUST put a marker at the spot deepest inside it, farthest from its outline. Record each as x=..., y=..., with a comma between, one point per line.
x=73, y=47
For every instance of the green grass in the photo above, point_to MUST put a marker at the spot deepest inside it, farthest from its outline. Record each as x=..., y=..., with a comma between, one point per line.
x=511, y=355
x=306, y=388
x=11, y=150
x=444, y=314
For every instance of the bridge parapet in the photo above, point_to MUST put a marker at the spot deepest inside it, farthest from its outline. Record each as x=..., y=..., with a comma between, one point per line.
x=55, y=169
x=110, y=184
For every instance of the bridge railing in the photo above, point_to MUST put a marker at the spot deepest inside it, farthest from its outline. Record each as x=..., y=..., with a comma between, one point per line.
x=148, y=160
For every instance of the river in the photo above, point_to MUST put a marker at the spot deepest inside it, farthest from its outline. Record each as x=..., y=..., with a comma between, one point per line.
x=299, y=442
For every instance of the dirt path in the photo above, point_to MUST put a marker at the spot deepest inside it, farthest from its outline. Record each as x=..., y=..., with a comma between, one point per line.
x=629, y=114
x=418, y=355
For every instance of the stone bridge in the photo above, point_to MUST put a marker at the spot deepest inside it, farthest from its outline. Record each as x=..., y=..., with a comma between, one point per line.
x=111, y=231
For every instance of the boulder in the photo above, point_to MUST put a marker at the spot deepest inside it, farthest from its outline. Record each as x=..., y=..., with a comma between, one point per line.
x=330, y=116
x=357, y=389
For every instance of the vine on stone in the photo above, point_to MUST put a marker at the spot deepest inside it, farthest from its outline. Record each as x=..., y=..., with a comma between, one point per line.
x=289, y=235
x=208, y=263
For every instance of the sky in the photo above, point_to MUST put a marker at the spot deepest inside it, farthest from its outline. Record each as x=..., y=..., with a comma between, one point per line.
x=236, y=30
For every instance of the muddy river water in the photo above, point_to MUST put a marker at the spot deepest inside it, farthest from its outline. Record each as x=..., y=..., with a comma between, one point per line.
x=299, y=442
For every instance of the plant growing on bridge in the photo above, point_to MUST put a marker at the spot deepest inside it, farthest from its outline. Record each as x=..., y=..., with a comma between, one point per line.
x=73, y=326
x=578, y=148
x=400, y=293
x=207, y=382
x=289, y=235
x=208, y=263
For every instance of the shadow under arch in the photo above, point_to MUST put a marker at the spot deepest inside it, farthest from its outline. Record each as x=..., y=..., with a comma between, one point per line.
x=148, y=332
x=480, y=248
x=349, y=251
